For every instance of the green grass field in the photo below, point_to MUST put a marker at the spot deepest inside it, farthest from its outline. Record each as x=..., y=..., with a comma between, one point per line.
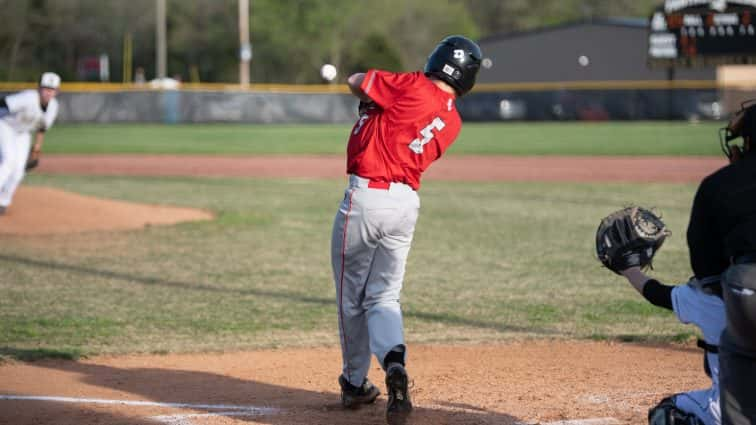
x=573, y=138
x=490, y=262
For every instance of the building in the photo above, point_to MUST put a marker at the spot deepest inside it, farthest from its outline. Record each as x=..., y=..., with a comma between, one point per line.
x=600, y=50
x=589, y=70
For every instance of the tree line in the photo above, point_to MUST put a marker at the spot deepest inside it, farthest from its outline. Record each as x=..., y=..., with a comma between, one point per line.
x=291, y=39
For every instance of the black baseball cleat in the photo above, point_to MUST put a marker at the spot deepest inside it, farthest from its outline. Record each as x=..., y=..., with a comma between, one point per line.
x=353, y=397
x=399, y=405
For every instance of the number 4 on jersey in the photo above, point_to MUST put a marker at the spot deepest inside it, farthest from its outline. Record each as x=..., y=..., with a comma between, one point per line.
x=427, y=133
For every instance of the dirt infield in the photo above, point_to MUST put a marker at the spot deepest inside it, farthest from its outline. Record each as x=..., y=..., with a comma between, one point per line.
x=547, y=382
x=461, y=168
x=44, y=211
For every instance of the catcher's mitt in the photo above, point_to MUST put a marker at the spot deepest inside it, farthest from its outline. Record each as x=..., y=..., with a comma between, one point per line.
x=629, y=237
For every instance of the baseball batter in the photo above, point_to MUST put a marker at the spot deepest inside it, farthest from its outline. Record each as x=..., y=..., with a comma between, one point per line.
x=407, y=121
x=23, y=113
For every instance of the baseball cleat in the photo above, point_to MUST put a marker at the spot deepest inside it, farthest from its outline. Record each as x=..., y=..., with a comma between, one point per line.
x=353, y=397
x=399, y=405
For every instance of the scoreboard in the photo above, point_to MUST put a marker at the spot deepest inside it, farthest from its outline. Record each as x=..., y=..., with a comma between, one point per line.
x=693, y=33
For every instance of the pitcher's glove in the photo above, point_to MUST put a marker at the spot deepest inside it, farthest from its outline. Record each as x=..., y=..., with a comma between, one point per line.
x=629, y=237
x=33, y=160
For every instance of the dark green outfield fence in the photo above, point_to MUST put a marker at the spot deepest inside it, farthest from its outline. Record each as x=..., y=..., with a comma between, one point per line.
x=332, y=104
x=594, y=105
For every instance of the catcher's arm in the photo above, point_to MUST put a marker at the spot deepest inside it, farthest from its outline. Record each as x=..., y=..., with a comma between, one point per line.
x=652, y=290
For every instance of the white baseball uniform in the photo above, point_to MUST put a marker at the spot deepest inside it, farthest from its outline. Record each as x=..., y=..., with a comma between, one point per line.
x=707, y=312
x=25, y=116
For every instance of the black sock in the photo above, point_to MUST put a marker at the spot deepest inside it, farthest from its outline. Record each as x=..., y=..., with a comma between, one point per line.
x=349, y=386
x=393, y=357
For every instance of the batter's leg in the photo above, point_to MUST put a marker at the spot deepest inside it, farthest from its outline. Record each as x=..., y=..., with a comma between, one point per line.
x=384, y=284
x=351, y=256
x=382, y=295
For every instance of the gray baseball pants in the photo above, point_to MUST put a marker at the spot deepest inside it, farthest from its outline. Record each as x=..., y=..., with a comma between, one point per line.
x=371, y=238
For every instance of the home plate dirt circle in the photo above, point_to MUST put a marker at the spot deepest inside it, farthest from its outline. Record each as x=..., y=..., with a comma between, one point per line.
x=554, y=382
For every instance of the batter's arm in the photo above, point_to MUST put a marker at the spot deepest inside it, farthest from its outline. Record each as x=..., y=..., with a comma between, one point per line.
x=355, y=86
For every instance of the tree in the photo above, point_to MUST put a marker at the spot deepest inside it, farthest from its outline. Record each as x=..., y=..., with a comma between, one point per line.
x=291, y=38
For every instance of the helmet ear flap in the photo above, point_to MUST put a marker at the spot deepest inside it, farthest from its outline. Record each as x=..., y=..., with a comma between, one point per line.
x=742, y=124
x=735, y=152
x=735, y=126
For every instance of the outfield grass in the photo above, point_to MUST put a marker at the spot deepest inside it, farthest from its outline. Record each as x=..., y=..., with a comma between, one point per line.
x=490, y=262
x=573, y=138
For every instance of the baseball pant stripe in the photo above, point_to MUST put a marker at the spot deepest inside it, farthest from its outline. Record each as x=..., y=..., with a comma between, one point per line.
x=341, y=279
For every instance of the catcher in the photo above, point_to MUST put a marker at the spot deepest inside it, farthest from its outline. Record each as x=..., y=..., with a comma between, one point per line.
x=626, y=242
x=21, y=114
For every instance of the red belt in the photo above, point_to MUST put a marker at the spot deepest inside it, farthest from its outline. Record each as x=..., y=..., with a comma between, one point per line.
x=375, y=184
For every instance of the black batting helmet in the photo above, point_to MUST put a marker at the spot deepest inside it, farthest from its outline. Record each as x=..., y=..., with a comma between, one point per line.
x=456, y=61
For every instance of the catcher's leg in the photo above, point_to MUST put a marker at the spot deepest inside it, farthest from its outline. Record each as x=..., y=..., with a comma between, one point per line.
x=704, y=404
x=668, y=413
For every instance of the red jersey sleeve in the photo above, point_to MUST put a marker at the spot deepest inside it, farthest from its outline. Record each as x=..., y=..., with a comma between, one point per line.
x=416, y=121
x=384, y=87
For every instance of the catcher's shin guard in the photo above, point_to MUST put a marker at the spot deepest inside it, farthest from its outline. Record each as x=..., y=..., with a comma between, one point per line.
x=666, y=413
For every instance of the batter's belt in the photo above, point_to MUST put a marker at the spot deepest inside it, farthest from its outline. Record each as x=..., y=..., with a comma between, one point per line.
x=358, y=181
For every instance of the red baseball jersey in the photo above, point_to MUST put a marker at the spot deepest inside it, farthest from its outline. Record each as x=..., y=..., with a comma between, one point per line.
x=413, y=124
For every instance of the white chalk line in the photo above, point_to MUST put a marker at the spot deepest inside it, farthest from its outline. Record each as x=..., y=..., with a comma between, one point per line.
x=184, y=419
x=229, y=410
x=623, y=400
x=226, y=409
x=246, y=410
x=593, y=421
